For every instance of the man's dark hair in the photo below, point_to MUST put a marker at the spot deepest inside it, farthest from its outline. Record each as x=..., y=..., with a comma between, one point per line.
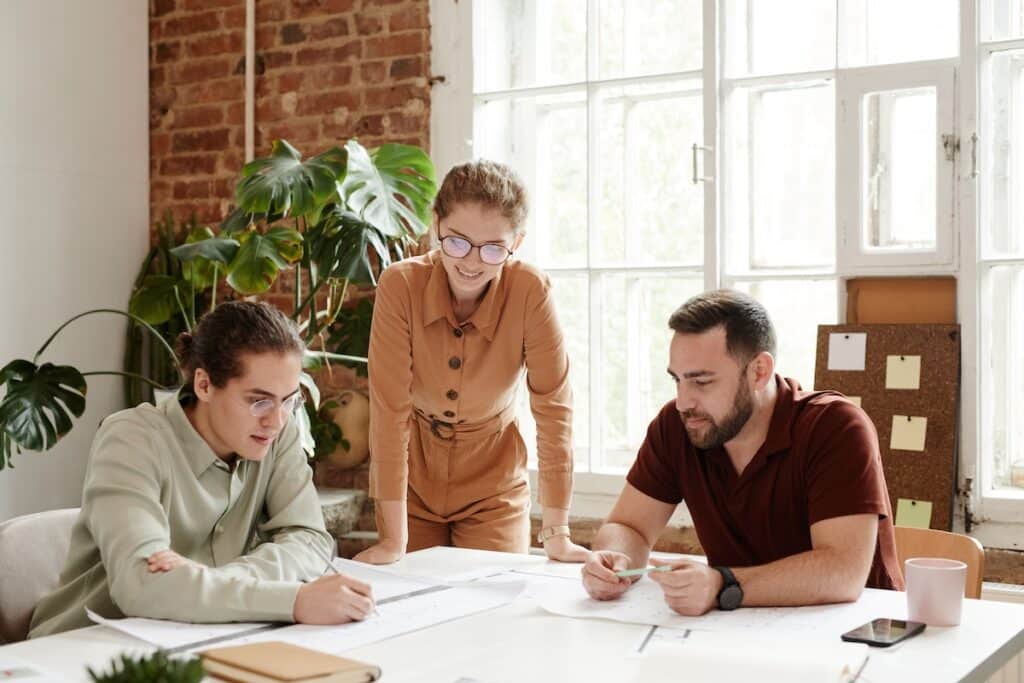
x=232, y=329
x=748, y=329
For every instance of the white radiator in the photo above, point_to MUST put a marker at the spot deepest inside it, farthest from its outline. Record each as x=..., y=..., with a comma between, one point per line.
x=1013, y=670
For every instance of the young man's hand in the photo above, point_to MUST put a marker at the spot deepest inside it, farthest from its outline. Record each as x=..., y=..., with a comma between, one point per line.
x=166, y=560
x=690, y=588
x=333, y=599
x=599, y=574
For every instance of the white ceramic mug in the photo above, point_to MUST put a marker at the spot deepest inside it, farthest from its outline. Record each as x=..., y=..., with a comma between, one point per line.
x=935, y=590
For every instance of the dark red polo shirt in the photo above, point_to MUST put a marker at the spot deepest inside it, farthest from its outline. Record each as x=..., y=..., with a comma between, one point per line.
x=820, y=460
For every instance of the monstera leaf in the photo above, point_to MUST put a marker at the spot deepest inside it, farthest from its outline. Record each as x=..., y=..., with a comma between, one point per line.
x=157, y=299
x=261, y=257
x=391, y=189
x=6, y=450
x=283, y=183
x=37, y=407
x=201, y=251
x=340, y=247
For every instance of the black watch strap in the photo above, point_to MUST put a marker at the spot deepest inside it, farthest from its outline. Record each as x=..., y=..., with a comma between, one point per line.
x=731, y=595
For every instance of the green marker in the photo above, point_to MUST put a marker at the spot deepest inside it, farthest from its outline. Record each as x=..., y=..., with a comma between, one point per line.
x=642, y=570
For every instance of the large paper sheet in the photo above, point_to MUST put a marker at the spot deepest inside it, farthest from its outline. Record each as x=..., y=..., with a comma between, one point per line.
x=644, y=603
x=398, y=617
x=171, y=634
x=20, y=671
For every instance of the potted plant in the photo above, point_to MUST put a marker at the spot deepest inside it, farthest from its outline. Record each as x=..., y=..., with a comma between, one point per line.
x=337, y=219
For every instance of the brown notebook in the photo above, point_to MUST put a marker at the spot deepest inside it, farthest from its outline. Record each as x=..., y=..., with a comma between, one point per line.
x=277, y=662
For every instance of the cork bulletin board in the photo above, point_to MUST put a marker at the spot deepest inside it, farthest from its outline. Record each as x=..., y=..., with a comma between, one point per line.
x=908, y=382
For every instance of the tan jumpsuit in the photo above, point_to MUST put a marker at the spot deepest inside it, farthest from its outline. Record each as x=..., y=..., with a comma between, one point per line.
x=443, y=433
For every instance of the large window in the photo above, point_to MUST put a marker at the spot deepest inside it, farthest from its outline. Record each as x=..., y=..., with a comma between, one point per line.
x=780, y=148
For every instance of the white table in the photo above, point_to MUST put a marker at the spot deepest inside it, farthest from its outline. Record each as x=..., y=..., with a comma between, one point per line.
x=522, y=642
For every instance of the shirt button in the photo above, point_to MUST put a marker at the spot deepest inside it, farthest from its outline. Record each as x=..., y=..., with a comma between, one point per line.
x=454, y=363
x=449, y=413
x=452, y=394
x=457, y=331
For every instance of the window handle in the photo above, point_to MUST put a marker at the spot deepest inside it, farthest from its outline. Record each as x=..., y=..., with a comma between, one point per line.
x=696, y=177
x=974, y=155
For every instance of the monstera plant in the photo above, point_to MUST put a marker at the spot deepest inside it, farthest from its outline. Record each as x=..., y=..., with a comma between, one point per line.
x=335, y=219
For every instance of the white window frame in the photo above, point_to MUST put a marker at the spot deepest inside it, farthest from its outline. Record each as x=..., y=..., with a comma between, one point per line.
x=1001, y=516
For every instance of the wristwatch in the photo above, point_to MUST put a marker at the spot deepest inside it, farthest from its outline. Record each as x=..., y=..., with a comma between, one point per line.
x=552, y=531
x=731, y=595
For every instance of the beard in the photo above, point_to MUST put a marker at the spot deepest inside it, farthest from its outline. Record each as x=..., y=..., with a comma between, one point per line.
x=716, y=434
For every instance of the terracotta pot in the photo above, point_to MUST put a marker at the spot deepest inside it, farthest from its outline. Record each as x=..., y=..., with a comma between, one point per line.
x=353, y=416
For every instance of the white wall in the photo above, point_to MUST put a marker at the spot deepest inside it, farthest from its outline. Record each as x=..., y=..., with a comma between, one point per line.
x=74, y=207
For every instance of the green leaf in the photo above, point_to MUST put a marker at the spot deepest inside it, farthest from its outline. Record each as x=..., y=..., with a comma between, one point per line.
x=339, y=246
x=239, y=221
x=202, y=249
x=392, y=188
x=261, y=257
x=306, y=380
x=36, y=411
x=6, y=450
x=155, y=300
x=283, y=183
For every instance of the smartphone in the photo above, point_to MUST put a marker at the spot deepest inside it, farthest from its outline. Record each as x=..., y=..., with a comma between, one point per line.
x=883, y=632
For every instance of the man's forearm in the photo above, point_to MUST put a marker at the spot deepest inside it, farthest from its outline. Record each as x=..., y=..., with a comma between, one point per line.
x=814, y=577
x=623, y=539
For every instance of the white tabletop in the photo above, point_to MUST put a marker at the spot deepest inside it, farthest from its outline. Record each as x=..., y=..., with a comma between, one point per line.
x=522, y=642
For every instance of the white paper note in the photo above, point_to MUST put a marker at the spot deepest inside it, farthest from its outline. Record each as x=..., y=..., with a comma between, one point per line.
x=908, y=433
x=903, y=372
x=855, y=400
x=847, y=350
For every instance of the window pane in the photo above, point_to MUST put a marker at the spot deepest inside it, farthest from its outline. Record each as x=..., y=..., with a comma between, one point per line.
x=572, y=299
x=642, y=37
x=1001, y=19
x=522, y=43
x=898, y=183
x=650, y=210
x=780, y=199
x=634, y=356
x=1002, y=189
x=545, y=140
x=890, y=31
x=782, y=36
x=1002, y=373
x=796, y=308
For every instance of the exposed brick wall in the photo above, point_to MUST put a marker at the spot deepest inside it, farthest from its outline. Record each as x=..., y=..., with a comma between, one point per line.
x=326, y=71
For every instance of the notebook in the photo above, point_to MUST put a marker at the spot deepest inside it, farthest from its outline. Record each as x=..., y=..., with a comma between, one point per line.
x=279, y=662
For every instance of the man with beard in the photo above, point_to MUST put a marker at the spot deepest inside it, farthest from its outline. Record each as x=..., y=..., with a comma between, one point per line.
x=785, y=487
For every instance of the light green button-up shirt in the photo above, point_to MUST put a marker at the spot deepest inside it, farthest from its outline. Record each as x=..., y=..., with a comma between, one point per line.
x=153, y=483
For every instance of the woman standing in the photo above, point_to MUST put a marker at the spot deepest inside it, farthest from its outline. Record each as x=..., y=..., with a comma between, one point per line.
x=453, y=332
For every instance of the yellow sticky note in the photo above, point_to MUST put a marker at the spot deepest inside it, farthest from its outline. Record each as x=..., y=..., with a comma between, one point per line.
x=903, y=372
x=916, y=513
x=855, y=400
x=908, y=433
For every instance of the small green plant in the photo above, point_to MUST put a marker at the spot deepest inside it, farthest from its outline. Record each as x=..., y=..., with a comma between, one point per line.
x=154, y=668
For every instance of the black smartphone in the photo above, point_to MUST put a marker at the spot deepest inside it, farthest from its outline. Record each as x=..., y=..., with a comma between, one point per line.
x=883, y=632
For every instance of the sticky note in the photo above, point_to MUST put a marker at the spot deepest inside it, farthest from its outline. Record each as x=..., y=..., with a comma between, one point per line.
x=903, y=372
x=915, y=513
x=855, y=400
x=846, y=350
x=908, y=433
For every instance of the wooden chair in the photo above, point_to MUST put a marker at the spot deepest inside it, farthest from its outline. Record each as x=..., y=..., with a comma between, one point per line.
x=913, y=542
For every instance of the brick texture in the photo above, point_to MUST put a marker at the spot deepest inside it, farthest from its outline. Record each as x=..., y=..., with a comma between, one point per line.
x=326, y=71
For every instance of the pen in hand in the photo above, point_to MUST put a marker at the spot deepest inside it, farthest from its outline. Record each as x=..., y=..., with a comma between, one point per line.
x=330, y=565
x=640, y=571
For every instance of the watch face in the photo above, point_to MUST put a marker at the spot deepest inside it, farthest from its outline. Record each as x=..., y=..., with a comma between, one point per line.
x=731, y=597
